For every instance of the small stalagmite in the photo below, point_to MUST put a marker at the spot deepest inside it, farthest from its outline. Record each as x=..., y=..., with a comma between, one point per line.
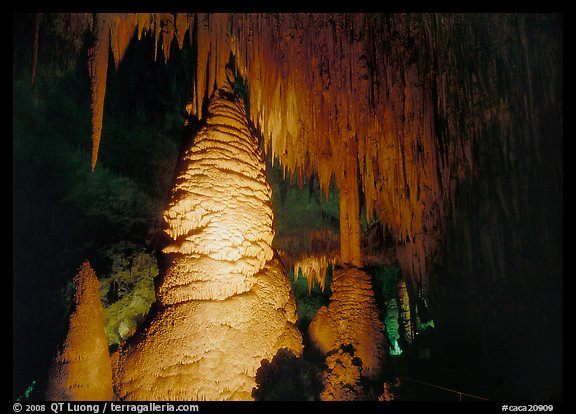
x=405, y=316
x=224, y=302
x=351, y=319
x=82, y=370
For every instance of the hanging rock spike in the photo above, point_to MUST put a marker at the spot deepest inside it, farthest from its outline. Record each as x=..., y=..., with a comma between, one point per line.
x=97, y=70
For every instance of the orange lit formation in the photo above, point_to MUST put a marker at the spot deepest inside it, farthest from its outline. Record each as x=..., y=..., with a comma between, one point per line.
x=445, y=147
x=324, y=94
x=302, y=73
x=97, y=68
x=224, y=302
x=314, y=269
x=350, y=321
x=82, y=370
x=365, y=100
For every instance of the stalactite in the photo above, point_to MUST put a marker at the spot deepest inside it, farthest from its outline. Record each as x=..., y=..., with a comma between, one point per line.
x=301, y=99
x=116, y=30
x=316, y=80
x=183, y=23
x=82, y=370
x=167, y=25
x=203, y=43
x=314, y=269
x=350, y=243
x=156, y=31
x=121, y=32
x=37, y=19
x=97, y=68
x=144, y=23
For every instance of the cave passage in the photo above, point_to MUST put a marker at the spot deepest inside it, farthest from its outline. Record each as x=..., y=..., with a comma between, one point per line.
x=287, y=206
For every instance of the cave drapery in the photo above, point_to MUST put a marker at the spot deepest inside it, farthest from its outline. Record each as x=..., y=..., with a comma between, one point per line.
x=306, y=118
x=304, y=71
x=446, y=127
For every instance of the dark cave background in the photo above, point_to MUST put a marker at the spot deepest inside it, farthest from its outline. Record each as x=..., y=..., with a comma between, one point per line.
x=496, y=285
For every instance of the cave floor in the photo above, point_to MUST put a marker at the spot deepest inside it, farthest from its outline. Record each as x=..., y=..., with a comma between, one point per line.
x=436, y=380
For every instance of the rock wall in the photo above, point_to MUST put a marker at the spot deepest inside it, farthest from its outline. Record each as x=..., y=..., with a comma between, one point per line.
x=496, y=285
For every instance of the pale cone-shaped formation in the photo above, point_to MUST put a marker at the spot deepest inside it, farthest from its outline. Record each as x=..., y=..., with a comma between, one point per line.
x=351, y=318
x=220, y=214
x=224, y=303
x=82, y=371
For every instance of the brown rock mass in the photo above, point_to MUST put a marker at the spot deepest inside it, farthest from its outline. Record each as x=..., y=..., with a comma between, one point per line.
x=351, y=318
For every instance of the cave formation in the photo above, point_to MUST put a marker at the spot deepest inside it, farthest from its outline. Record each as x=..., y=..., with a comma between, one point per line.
x=222, y=289
x=82, y=370
x=442, y=130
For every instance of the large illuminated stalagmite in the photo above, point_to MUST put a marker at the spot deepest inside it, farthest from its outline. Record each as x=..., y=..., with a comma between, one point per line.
x=224, y=302
x=81, y=371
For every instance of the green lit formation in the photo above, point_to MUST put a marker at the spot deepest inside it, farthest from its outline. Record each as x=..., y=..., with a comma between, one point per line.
x=28, y=392
x=392, y=327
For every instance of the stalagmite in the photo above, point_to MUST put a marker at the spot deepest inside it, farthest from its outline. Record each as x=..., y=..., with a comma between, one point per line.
x=224, y=302
x=404, y=308
x=223, y=235
x=82, y=370
x=343, y=378
x=351, y=319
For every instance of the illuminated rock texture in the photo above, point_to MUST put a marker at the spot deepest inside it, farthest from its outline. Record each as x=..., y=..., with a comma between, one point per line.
x=220, y=216
x=447, y=127
x=351, y=319
x=82, y=370
x=224, y=303
x=211, y=350
x=342, y=379
x=314, y=269
x=303, y=70
x=423, y=103
x=128, y=290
